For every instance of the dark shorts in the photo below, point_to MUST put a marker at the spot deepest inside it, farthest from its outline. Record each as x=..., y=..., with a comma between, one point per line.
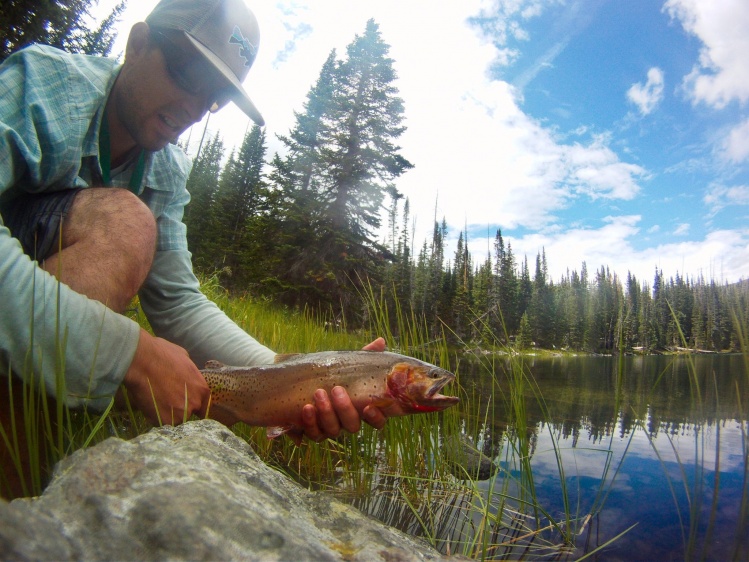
x=35, y=220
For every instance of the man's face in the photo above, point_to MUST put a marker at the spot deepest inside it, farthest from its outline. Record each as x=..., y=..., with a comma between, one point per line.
x=164, y=88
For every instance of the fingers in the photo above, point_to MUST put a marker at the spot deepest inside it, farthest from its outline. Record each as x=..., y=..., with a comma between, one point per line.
x=374, y=417
x=377, y=345
x=164, y=383
x=345, y=410
x=326, y=415
x=329, y=415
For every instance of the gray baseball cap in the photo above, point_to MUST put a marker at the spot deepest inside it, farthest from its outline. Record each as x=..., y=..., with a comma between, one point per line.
x=225, y=32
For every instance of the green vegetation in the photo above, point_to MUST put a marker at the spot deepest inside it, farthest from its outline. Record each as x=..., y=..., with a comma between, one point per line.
x=414, y=474
x=417, y=473
x=690, y=500
x=297, y=249
x=303, y=233
x=300, y=230
x=60, y=23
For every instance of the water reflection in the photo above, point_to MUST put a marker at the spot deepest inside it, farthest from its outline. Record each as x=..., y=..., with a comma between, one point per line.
x=659, y=442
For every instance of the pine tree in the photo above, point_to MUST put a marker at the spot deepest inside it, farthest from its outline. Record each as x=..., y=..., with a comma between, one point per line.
x=525, y=288
x=631, y=314
x=461, y=298
x=60, y=23
x=508, y=291
x=199, y=213
x=661, y=314
x=240, y=192
x=524, y=339
x=404, y=265
x=483, y=284
x=541, y=310
x=301, y=168
x=342, y=161
x=359, y=158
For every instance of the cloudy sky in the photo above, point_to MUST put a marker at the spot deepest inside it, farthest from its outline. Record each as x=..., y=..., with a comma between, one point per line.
x=610, y=132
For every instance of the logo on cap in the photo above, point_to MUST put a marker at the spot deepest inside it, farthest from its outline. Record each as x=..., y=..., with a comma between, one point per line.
x=247, y=50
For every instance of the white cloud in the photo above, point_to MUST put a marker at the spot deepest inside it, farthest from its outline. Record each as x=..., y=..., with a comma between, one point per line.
x=595, y=170
x=477, y=154
x=722, y=72
x=682, y=229
x=736, y=145
x=647, y=96
x=617, y=244
x=719, y=197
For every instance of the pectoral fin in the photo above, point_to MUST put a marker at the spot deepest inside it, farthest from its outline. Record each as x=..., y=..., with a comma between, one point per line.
x=273, y=432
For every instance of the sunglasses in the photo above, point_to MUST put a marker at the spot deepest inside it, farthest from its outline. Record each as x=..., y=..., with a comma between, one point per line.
x=192, y=73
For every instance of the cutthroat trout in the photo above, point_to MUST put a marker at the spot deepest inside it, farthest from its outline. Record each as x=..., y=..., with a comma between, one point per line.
x=274, y=395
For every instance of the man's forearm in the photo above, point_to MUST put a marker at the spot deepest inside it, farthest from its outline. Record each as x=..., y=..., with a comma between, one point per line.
x=49, y=330
x=179, y=312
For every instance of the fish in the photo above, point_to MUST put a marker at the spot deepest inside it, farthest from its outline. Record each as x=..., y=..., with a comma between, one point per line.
x=273, y=395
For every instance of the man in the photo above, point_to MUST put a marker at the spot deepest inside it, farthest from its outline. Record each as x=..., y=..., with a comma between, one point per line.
x=94, y=191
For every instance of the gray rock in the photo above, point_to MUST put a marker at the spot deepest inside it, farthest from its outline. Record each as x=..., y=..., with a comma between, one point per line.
x=193, y=492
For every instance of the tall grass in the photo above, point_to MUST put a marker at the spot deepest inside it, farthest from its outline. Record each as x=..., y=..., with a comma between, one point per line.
x=695, y=530
x=415, y=474
x=501, y=516
x=40, y=431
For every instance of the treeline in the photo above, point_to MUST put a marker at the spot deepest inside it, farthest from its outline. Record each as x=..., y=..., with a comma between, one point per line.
x=504, y=300
x=304, y=232
x=301, y=229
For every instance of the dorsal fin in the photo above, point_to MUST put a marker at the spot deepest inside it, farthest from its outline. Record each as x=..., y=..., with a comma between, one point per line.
x=213, y=364
x=282, y=357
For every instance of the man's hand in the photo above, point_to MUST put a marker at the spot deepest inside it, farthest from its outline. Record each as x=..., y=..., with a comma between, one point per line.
x=330, y=414
x=163, y=379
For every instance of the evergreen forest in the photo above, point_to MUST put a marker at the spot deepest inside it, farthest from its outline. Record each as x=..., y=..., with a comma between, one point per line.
x=303, y=228
x=61, y=23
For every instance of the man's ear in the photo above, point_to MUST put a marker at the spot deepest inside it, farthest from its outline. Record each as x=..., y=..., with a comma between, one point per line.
x=138, y=40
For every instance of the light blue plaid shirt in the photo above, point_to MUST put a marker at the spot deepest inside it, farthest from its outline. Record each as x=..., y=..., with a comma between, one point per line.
x=51, y=105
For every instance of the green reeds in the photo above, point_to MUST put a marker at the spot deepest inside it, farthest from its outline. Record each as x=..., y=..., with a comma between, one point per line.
x=412, y=474
x=40, y=430
x=696, y=529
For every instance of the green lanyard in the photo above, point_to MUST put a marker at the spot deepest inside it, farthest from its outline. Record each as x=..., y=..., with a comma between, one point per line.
x=105, y=159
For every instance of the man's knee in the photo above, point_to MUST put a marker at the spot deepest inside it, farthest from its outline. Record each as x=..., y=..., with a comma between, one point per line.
x=118, y=232
x=113, y=216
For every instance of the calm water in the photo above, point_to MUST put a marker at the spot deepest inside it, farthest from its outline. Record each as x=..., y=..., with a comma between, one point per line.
x=662, y=446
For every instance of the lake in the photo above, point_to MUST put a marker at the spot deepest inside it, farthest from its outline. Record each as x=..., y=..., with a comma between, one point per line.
x=659, y=442
x=653, y=450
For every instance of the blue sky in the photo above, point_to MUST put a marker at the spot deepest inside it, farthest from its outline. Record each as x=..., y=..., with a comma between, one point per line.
x=606, y=131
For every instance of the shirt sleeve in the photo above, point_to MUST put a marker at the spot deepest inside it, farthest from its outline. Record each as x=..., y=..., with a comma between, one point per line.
x=76, y=346
x=171, y=298
x=179, y=312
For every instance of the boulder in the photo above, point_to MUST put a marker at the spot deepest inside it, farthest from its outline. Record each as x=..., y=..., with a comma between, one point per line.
x=193, y=492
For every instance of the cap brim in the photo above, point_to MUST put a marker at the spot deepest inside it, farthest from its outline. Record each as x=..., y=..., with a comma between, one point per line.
x=240, y=99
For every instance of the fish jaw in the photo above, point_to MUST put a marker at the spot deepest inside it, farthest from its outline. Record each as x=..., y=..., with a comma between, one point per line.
x=415, y=388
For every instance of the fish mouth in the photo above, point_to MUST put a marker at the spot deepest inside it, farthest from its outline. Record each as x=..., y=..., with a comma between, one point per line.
x=440, y=378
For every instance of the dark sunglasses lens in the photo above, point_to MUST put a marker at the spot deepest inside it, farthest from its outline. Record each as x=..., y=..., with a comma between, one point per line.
x=193, y=74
